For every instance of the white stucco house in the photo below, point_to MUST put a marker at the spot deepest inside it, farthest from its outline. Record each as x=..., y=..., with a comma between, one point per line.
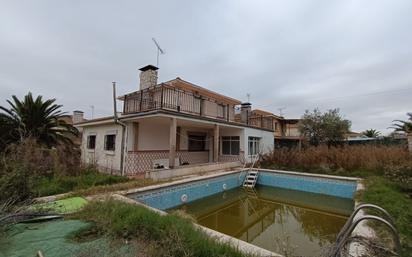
x=174, y=124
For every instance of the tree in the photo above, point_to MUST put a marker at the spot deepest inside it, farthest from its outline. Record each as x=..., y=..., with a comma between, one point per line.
x=34, y=118
x=371, y=133
x=329, y=127
x=403, y=125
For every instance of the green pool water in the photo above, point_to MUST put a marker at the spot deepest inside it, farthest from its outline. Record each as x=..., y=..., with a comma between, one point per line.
x=289, y=222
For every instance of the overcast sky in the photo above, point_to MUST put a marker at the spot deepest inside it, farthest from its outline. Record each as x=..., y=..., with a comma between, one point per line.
x=297, y=55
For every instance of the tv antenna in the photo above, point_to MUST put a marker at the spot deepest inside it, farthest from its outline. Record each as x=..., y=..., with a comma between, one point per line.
x=92, y=107
x=281, y=111
x=159, y=50
x=248, y=97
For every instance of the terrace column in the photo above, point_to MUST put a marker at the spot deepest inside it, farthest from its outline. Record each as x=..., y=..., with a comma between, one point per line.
x=216, y=143
x=172, y=142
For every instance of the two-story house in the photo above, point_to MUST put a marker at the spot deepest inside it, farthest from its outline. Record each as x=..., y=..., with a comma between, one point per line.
x=285, y=131
x=171, y=124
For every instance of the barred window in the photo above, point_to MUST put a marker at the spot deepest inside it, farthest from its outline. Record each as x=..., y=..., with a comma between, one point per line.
x=197, y=142
x=91, y=142
x=109, y=142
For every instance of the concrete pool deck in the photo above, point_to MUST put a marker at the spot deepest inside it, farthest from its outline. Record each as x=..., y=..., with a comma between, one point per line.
x=243, y=246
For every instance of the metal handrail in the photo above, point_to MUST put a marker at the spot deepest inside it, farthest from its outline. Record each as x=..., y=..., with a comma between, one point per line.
x=356, y=222
x=357, y=209
x=255, y=158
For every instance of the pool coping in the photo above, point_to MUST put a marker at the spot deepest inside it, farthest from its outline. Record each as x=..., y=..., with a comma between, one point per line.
x=241, y=245
x=199, y=178
x=177, y=182
x=234, y=242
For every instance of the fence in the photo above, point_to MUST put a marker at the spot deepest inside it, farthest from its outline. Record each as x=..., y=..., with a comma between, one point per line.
x=138, y=162
x=141, y=161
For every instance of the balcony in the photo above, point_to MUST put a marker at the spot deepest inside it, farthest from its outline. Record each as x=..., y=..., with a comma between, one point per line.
x=166, y=97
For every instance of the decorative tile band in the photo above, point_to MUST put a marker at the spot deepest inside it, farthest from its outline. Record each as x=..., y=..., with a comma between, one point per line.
x=327, y=186
x=170, y=197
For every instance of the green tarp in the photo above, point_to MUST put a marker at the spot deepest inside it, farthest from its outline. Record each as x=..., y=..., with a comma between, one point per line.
x=53, y=239
x=63, y=206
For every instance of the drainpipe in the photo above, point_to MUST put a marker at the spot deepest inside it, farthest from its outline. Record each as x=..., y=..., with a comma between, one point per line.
x=124, y=128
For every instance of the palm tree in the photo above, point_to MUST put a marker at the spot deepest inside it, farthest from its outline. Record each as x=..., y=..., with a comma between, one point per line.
x=371, y=133
x=403, y=125
x=41, y=120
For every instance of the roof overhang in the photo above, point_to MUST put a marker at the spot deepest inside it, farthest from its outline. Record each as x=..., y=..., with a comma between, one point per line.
x=94, y=122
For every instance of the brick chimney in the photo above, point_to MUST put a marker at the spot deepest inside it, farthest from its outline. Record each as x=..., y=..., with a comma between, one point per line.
x=245, y=112
x=77, y=117
x=148, y=76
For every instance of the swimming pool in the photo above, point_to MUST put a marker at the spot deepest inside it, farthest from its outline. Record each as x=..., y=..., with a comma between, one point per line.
x=288, y=212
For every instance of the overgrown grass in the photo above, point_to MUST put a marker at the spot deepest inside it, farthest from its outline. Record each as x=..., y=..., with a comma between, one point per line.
x=102, y=189
x=62, y=184
x=349, y=158
x=169, y=235
x=388, y=195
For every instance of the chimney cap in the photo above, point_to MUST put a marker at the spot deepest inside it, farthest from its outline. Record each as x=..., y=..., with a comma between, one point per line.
x=148, y=67
x=245, y=104
x=77, y=111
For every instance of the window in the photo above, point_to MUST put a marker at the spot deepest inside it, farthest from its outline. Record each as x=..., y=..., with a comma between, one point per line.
x=221, y=111
x=196, y=142
x=230, y=145
x=254, y=145
x=91, y=142
x=109, y=142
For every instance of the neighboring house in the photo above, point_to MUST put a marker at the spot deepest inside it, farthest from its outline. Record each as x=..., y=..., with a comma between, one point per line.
x=355, y=138
x=352, y=136
x=172, y=124
x=76, y=117
x=286, y=132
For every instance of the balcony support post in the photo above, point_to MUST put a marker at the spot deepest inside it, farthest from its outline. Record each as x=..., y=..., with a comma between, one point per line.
x=161, y=97
x=172, y=142
x=216, y=143
x=141, y=100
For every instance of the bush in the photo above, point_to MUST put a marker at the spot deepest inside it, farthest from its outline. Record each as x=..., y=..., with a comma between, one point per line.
x=365, y=158
x=29, y=170
x=21, y=165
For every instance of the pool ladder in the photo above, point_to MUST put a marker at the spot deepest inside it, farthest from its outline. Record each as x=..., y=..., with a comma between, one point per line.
x=351, y=224
x=250, y=179
x=251, y=175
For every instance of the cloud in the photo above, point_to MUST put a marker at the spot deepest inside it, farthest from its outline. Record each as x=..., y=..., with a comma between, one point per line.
x=295, y=54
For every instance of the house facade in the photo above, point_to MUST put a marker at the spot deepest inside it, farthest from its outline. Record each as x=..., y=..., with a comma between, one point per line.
x=173, y=124
x=285, y=131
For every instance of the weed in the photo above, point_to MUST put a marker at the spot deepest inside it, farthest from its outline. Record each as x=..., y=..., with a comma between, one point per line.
x=173, y=235
x=62, y=184
x=387, y=195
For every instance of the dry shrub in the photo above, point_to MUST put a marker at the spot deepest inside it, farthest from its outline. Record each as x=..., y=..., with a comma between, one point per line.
x=348, y=158
x=22, y=164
